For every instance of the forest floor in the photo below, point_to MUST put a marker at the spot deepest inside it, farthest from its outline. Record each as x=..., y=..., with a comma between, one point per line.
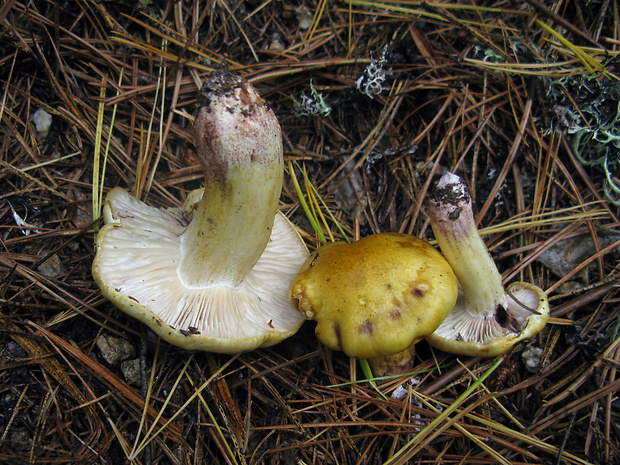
x=375, y=100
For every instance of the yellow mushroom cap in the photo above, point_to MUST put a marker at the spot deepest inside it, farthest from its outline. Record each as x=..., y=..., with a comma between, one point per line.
x=375, y=296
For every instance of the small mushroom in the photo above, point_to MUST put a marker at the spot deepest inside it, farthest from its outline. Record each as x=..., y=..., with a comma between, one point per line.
x=213, y=274
x=486, y=320
x=376, y=297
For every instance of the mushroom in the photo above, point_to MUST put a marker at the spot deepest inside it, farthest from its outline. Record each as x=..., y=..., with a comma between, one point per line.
x=214, y=273
x=375, y=298
x=486, y=320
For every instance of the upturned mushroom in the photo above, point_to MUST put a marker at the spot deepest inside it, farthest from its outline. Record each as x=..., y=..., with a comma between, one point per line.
x=213, y=274
x=375, y=298
x=486, y=320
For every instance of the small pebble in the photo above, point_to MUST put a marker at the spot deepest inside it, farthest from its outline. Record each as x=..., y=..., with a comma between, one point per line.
x=305, y=19
x=52, y=267
x=131, y=370
x=115, y=350
x=532, y=359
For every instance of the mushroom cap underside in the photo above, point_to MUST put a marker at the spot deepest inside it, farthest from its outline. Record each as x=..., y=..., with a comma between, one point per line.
x=375, y=296
x=465, y=333
x=136, y=267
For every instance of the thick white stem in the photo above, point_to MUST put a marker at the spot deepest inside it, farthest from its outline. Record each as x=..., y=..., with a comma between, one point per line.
x=452, y=219
x=239, y=141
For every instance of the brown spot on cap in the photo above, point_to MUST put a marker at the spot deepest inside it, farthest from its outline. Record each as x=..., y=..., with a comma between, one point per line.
x=365, y=328
x=189, y=331
x=338, y=334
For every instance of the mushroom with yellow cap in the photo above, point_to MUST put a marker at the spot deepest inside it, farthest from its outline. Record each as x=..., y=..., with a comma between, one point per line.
x=213, y=274
x=486, y=320
x=375, y=297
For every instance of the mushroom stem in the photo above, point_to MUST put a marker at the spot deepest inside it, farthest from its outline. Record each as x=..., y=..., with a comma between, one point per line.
x=395, y=364
x=452, y=219
x=239, y=142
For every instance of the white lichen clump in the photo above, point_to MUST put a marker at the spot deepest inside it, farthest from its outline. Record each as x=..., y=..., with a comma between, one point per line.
x=370, y=83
